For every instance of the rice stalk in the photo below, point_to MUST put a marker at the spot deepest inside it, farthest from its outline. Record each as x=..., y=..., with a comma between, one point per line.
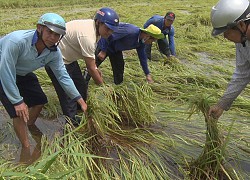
x=210, y=164
x=119, y=123
x=116, y=108
x=174, y=64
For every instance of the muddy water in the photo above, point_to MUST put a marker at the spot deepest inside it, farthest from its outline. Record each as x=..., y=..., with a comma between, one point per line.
x=10, y=147
x=189, y=137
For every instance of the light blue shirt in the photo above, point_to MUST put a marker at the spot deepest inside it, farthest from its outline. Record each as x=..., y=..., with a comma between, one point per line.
x=19, y=56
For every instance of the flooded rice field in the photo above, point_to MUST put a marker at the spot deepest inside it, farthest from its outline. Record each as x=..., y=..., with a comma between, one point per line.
x=10, y=147
x=188, y=136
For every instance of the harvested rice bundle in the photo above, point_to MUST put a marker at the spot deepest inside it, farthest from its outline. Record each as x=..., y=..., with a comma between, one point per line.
x=209, y=165
x=118, y=111
x=118, y=124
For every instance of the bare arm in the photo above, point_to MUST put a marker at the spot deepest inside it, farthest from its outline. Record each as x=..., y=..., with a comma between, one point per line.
x=93, y=71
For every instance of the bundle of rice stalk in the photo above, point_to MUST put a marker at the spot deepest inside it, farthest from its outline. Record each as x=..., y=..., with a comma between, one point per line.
x=135, y=104
x=209, y=165
x=118, y=120
x=114, y=108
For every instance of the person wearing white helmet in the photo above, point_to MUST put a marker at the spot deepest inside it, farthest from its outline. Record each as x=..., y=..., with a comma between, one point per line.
x=21, y=53
x=79, y=44
x=231, y=18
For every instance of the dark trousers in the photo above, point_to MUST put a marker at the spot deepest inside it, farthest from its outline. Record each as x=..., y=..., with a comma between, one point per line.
x=29, y=88
x=163, y=48
x=117, y=64
x=69, y=106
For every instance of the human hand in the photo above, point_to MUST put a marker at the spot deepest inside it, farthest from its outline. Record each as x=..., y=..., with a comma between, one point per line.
x=149, y=78
x=22, y=111
x=83, y=104
x=215, y=111
x=102, y=55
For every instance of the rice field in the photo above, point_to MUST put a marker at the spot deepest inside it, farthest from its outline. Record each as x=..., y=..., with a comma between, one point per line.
x=137, y=130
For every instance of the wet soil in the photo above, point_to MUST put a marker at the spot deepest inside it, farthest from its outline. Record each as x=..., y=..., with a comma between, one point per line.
x=10, y=147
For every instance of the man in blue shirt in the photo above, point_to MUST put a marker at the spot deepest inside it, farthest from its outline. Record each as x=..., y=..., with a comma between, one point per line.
x=22, y=52
x=127, y=37
x=165, y=24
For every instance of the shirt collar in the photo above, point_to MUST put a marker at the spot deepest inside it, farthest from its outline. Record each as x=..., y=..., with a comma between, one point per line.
x=35, y=38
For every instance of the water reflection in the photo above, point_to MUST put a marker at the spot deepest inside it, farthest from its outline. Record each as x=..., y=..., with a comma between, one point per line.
x=10, y=147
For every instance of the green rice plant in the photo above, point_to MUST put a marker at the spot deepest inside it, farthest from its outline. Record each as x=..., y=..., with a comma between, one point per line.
x=136, y=159
x=43, y=77
x=119, y=120
x=52, y=109
x=76, y=160
x=126, y=104
x=113, y=108
x=63, y=157
x=111, y=127
x=174, y=64
x=210, y=164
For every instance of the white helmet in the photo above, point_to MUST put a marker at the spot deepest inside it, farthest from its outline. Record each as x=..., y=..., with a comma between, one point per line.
x=227, y=13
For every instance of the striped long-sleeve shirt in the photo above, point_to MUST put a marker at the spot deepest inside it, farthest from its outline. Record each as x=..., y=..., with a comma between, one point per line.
x=240, y=78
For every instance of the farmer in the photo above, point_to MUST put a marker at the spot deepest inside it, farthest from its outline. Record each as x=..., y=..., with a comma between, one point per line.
x=22, y=52
x=127, y=37
x=80, y=43
x=165, y=24
x=231, y=17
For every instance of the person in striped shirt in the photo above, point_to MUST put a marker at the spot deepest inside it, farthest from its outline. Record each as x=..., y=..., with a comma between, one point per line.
x=231, y=18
